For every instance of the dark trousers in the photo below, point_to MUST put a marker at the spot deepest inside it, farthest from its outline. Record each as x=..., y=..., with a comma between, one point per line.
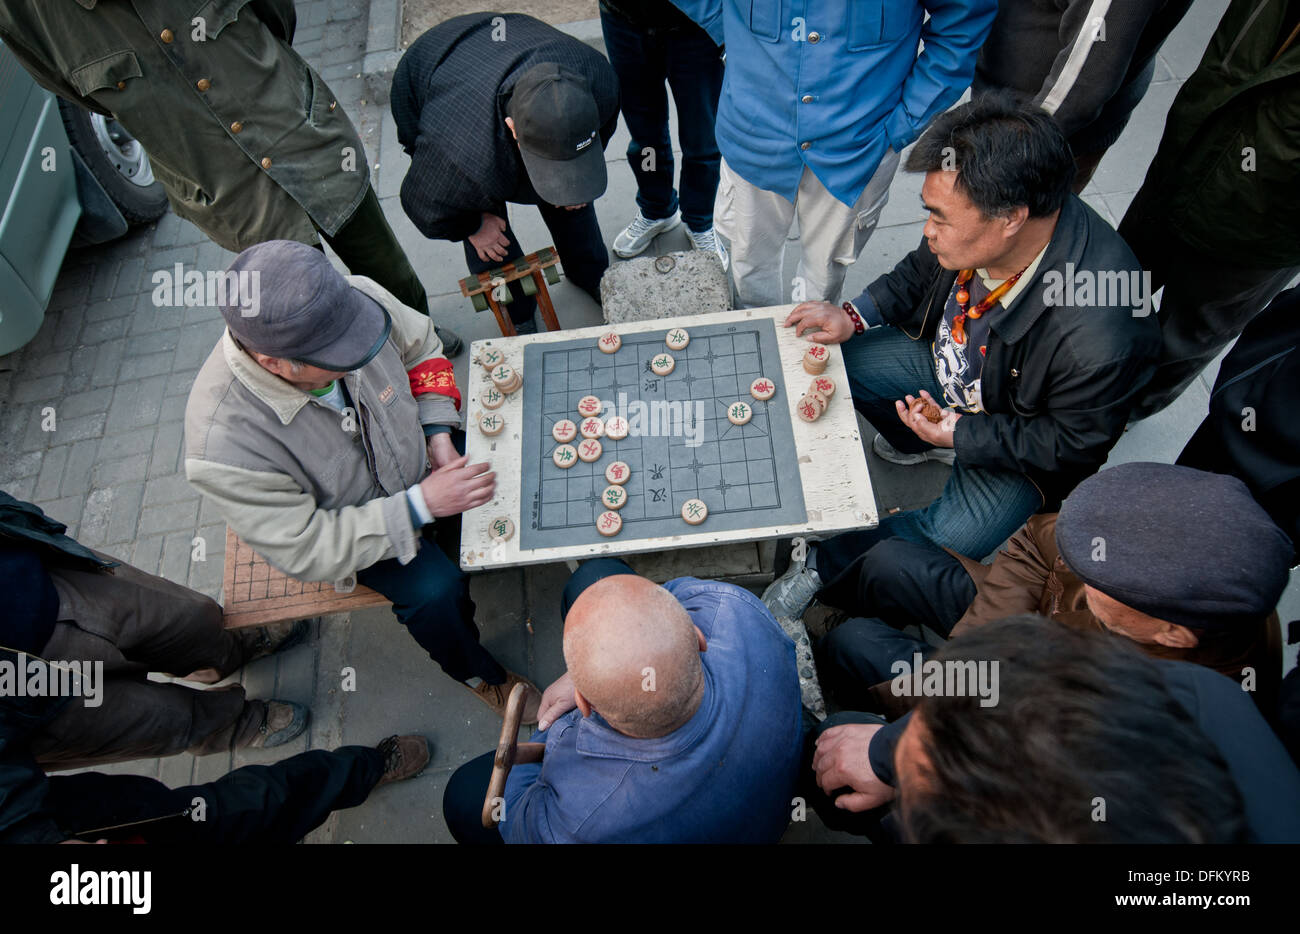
x=688, y=61
x=368, y=247
x=278, y=803
x=431, y=599
x=135, y=623
x=1205, y=305
x=578, y=241
x=878, y=824
x=462, y=801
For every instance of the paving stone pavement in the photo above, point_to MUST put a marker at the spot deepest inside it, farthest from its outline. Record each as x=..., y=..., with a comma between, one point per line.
x=115, y=370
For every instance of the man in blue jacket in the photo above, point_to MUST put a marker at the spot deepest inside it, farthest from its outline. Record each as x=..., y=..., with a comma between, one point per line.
x=678, y=721
x=818, y=100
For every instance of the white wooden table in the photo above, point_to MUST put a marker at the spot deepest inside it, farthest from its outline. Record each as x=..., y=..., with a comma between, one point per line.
x=832, y=466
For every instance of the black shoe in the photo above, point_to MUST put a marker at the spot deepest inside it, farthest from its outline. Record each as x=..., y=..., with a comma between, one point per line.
x=452, y=345
x=277, y=637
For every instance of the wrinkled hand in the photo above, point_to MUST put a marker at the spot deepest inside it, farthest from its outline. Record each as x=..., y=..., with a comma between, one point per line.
x=938, y=435
x=441, y=451
x=557, y=700
x=829, y=323
x=490, y=242
x=458, y=486
x=843, y=760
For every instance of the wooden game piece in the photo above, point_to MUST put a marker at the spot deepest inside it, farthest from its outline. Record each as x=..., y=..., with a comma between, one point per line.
x=824, y=385
x=739, y=413
x=490, y=423
x=609, y=343
x=503, y=376
x=694, y=511
x=819, y=398
x=492, y=398
x=808, y=409
x=677, y=339
x=491, y=359
x=514, y=385
x=592, y=428
x=614, y=497
x=589, y=406
x=616, y=428
x=932, y=412
x=618, y=472
x=815, y=359
x=663, y=364
x=762, y=389
x=565, y=456
x=501, y=529
x=564, y=431
x=608, y=523
x=589, y=451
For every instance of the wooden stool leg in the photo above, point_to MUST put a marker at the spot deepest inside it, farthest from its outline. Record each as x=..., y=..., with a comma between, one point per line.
x=503, y=317
x=544, y=302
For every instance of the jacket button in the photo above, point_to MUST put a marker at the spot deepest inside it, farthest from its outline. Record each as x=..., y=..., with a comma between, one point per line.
x=1015, y=374
x=203, y=84
x=814, y=37
x=266, y=162
x=121, y=85
x=805, y=146
x=333, y=104
x=166, y=36
x=236, y=127
x=807, y=99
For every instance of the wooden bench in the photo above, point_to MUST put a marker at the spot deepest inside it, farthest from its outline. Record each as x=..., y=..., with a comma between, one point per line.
x=532, y=272
x=256, y=594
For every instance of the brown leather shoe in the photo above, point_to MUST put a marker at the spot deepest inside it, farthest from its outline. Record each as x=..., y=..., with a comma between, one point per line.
x=495, y=696
x=404, y=757
x=284, y=720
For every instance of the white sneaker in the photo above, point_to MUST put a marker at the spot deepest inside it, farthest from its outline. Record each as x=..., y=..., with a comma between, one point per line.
x=887, y=452
x=637, y=235
x=708, y=240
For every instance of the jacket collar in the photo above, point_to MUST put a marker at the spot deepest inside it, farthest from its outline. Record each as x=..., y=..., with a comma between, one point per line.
x=598, y=739
x=1068, y=240
x=284, y=400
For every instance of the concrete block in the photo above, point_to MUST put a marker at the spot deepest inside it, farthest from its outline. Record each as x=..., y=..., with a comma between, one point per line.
x=647, y=288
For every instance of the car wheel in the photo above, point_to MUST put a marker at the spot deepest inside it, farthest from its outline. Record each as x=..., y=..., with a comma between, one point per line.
x=118, y=162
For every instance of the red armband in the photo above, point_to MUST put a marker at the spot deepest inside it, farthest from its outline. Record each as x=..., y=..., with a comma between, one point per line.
x=435, y=375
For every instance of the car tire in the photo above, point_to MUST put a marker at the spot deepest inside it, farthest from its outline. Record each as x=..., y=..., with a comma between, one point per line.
x=117, y=161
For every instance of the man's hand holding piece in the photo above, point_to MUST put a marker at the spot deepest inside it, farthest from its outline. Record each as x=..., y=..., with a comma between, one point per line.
x=912, y=413
x=843, y=760
x=457, y=486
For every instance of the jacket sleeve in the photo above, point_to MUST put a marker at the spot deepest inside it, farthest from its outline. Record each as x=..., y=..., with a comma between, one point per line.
x=708, y=13
x=1095, y=54
x=894, y=297
x=1014, y=583
x=279, y=16
x=952, y=35
x=284, y=524
x=881, y=749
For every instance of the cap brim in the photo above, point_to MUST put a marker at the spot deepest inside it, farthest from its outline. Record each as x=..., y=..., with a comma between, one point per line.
x=569, y=181
x=364, y=337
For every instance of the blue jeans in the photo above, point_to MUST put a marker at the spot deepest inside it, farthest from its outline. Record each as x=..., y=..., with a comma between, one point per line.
x=978, y=509
x=691, y=65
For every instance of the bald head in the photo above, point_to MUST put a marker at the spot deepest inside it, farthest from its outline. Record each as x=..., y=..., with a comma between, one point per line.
x=634, y=655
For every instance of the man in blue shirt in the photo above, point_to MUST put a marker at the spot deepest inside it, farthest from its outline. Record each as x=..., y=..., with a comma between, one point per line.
x=678, y=721
x=818, y=100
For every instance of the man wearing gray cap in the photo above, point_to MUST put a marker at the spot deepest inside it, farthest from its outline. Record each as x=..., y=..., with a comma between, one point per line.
x=1184, y=563
x=321, y=427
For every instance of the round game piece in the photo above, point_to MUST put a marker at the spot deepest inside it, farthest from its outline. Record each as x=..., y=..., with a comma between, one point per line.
x=677, y=339
x=808, y=409
x=609, y=343
x=739, y=413
x=565, y=456
x=589, y=451
x=492, y=398
x=762, y=389
x=491, y=359
x=614, y=497
x=616, y=428
x=592, y=428
x=815, y=359
x=618, y=472
x=608, y=523
x=824, y=385
x=503, y=376
x=501, y=529
x=694, y=511
x=589, y=406
x=820, y=399
x=564, y=431
x=490, y=423
x=663, y=364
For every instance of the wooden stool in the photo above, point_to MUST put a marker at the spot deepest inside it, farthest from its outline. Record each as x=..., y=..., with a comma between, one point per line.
x=256, y=594
x=534, y=271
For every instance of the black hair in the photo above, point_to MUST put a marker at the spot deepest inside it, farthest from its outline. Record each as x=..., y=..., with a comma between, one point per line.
x=1005, y=154
x=1084, y=745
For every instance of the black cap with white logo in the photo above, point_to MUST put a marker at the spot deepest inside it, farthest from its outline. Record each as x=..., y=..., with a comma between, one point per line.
x=558, y=129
